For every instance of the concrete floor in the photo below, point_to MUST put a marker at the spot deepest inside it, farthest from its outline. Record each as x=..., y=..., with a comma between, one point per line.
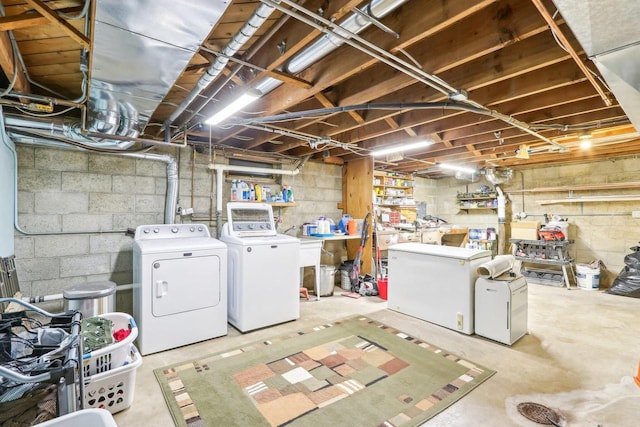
x=579, y=357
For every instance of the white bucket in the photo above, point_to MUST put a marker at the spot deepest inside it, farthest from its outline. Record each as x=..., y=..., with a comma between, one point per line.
x=588, y=278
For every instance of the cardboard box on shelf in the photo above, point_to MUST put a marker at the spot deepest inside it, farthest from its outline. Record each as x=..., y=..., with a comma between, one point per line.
x=527, y=230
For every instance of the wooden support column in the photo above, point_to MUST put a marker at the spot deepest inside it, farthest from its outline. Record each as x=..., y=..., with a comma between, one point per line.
x=357, y=201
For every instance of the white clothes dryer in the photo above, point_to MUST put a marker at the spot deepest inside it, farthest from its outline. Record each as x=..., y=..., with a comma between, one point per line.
x=180, y=286
x=263, y=272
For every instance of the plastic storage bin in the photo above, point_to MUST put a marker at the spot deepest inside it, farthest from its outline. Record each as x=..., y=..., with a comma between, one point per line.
x=114, y=355
x=113, y=390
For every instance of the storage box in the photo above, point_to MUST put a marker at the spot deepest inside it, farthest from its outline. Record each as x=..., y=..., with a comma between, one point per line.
x=526, y=230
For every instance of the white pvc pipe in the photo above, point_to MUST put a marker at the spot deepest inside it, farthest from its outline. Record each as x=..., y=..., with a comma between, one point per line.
x=219, y=178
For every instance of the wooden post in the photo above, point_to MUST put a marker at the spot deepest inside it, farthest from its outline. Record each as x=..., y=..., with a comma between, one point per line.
x=357, y=201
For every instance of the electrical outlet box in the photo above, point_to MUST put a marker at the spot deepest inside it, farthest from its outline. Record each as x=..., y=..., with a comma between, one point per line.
x=460, y=321
x=635, y=214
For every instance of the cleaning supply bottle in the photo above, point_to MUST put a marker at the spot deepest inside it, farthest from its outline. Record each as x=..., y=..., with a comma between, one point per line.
x=352, y=227
x=252, y=192
x=234, y=191
x=245, y=191
x=258, y=190
x=289, y=194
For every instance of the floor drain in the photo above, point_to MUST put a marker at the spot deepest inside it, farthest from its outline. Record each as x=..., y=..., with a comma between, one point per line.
x=539, y=413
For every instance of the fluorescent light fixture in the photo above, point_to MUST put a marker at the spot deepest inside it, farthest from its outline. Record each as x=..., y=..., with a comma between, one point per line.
x=401, y=147
x=458, y=96
x=457, y=168
x=237, y=105
x=585, y=144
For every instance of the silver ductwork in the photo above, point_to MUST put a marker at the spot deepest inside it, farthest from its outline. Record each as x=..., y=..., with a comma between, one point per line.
x=608, y=32
x=243, y=35
x=498, y=176
x=326, y=44
x=140, y=49
x=355, y=23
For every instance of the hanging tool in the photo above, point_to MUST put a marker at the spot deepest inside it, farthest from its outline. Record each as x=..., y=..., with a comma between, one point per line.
x=355, y=271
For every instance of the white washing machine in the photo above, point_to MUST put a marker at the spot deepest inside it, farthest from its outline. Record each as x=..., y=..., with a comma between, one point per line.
x=180, y=286
x=263, y=269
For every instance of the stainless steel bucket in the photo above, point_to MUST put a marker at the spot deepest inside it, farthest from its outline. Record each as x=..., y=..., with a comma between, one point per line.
x=91, y=299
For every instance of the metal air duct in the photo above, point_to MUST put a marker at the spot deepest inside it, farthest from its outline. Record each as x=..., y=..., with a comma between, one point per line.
x=498, y=176
x=324, y=45
x=608, y=32
x=140, y=48
x=252, y=25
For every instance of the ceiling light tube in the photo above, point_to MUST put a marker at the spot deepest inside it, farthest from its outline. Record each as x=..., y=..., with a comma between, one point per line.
x=456, y=168
x=401, y=147
x=237, y=105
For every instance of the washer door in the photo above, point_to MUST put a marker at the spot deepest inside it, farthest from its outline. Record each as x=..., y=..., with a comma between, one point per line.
x=185, y=284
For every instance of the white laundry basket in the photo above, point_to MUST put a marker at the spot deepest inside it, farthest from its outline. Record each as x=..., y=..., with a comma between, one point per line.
x=113, y=355
x=113, y=390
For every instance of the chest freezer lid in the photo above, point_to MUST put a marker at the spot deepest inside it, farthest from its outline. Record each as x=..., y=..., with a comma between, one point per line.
x=438, y=250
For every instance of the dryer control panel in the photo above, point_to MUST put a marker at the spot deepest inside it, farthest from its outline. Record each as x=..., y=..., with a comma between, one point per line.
x=168, y=231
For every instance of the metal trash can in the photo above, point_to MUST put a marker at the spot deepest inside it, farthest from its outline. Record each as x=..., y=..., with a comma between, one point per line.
x=327, y=280
x=345, y=271
x=91, y=298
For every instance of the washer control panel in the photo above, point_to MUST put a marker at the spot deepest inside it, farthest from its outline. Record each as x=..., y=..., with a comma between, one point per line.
x=168, y=231
x=250, y=219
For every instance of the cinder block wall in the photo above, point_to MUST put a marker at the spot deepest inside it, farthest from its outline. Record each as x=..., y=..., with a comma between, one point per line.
x=602, y=230
x=77, y=207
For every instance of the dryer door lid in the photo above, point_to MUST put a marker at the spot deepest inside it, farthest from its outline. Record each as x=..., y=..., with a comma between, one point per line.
x=184, y=284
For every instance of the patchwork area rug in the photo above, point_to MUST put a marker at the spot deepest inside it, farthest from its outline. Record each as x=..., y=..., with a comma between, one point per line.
x=351, y=372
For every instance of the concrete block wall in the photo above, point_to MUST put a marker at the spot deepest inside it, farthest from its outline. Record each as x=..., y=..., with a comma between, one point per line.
x=602, y=230
x=445, y=205
x=76, y=207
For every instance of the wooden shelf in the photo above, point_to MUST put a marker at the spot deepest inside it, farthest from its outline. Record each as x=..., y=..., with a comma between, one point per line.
x=478, y=209
x=585, y=187
x=588, y=199
x=276, y=204
x=477, y=198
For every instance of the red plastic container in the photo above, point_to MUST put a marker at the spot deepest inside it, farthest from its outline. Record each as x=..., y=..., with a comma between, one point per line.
x=382, y=288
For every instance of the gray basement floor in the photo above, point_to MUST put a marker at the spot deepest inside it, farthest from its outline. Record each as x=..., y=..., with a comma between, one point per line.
x=579, y=358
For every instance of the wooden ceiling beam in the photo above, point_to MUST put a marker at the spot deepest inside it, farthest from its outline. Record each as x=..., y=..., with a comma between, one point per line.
x=345, y=62
x=468, y=39
x=10, y=67
x=53, y=17
x=31, y=19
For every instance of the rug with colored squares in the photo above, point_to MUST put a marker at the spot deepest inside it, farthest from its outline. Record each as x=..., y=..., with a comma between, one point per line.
x=351, y=372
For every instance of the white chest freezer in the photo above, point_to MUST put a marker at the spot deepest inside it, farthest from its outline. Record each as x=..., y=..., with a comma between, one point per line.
x=434, y=283
x=501, y=308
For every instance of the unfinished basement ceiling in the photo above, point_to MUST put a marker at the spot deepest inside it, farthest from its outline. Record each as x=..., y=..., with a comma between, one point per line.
x=400, y=73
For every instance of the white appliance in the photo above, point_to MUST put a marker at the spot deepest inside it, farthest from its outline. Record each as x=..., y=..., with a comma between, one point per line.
x=263, y=272
x=501, y=307
x=434, y=283
x=180, y=286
